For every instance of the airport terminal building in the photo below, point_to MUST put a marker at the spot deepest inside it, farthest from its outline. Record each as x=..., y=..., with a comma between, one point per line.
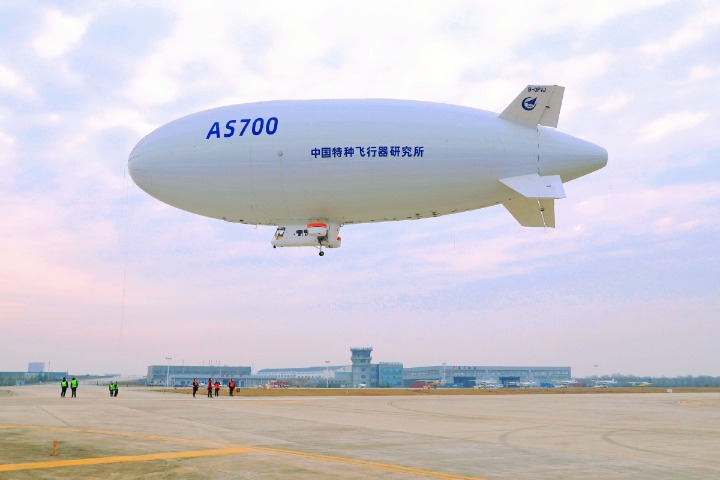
x=465, y=376
x=183, y=375
x=362, y=373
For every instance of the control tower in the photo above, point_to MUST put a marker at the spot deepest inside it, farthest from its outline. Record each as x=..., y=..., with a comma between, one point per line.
x=361, y=368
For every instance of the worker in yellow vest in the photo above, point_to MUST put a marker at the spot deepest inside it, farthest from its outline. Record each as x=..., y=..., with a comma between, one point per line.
x=73, y=387
x=63, y=386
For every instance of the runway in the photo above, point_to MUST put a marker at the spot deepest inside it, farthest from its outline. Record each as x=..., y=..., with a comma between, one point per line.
x=149, y=434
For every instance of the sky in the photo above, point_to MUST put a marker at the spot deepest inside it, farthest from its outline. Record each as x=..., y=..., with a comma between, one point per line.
x=96, y=276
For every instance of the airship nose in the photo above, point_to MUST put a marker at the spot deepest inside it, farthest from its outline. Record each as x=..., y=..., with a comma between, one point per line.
x=568, y=156
x=169, y=164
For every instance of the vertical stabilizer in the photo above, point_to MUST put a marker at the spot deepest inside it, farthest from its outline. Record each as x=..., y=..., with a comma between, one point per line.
x=536, y=105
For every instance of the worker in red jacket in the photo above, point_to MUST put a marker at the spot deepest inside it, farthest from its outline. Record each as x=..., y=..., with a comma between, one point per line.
x=217, y=388
x=231, y=386
x=196, y=385
x=209, y=387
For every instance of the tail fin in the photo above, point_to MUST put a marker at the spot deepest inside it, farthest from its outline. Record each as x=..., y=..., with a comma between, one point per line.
x=536, y=207
x=536, y=105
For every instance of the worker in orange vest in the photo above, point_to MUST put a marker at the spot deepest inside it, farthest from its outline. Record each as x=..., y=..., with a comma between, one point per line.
x=231, y=386
x=209, y=387
x=217, y=388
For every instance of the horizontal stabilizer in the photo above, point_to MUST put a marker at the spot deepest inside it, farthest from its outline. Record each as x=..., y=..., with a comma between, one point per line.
x=536, y=105
x=535, y=186
x=532, y=212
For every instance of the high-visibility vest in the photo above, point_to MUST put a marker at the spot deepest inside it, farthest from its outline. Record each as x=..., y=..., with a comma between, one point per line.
x=73, y=383
x=63, y=383
x=209, y=385
x=232, y=384
x=195, y=383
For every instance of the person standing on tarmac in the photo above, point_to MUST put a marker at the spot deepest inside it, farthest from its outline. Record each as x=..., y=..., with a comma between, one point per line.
x=63, y=386
x=231, y=386
x=111, y=387
x=217, y=388
x=116, y=389
x=73, y=387
x=209, y=387
x=196, y=385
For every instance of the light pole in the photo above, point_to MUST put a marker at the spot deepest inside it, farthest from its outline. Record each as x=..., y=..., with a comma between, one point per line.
x=167, y=378
x=327, y=374
x=444, y=380
x=596, y=373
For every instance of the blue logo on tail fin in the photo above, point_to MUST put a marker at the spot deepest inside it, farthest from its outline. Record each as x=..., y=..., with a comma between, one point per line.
x=529, y=103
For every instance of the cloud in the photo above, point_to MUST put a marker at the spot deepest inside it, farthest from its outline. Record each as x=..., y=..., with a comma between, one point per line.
x=60, y=34
x=5, y=138
x=632, y=207
x=687, y=35
x=104, y=75
x=700, y=73
x=670, y=125
x=614, y=102
x=9, y=79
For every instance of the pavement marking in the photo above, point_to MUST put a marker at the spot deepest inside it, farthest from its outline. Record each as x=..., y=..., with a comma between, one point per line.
x=269, y=402
x=10, y=467
x=227, y=449
x=365, y=463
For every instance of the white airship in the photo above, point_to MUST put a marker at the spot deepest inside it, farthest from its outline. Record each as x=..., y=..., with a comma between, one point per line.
x=312, y=166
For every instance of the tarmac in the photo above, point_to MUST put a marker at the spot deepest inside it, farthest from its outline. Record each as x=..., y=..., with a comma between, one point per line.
x=148, y=434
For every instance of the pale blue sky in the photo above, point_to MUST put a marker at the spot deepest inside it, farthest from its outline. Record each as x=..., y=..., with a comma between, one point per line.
x=629, y=280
